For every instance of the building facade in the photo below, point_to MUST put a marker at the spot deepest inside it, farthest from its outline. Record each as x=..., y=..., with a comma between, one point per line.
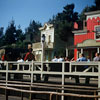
x=87, y=41
x=48, y=31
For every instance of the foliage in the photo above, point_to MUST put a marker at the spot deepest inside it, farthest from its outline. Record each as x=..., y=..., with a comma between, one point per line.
x=96, y=6
x=82, y=16
x=88, y=9
x=63, y=22
x=33, y=31
x=97, y=3
x=63, y=29
x=10, y=34
x=1, y=32
x=1, y=36
x=19, y=35
x=15, y=36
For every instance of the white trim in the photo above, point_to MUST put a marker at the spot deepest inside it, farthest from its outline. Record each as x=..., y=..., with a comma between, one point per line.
x=80, y=33
x=81, y=50
x=89, y=42
x=92, y=16
x=66, y=52
x=47, y=26
x=98, y=50
x=92, y=12
x=97, y=39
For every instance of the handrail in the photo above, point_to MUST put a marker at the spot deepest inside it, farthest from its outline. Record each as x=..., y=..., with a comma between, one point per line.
x=47, y=87
x=54, y=93
x=51, y=85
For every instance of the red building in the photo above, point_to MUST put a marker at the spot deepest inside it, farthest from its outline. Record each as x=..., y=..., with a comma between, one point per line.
x=87, y=41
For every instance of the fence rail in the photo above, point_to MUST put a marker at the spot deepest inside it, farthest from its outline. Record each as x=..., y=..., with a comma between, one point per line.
x=10, y=87
x=42, y=70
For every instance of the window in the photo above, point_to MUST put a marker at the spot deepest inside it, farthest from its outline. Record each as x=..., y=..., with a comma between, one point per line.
x=97, y=32
x=49, y=38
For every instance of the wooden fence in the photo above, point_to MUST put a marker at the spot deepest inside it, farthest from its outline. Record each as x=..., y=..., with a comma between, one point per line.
x=11, y=70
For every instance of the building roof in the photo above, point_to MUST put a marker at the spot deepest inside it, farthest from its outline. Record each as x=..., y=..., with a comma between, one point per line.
x=45, y=26
x=92, y=12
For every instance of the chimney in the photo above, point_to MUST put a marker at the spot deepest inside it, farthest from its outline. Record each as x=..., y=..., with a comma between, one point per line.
x=75, y=25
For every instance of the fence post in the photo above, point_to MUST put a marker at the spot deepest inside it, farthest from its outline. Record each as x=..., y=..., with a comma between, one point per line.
x=30, y=97
x=70, y=67
x=63, y=79
x=51, y=96
x=32, y=73
x=99, y=79
x=21, y=95
x=57, y=95
x=6, y=73
x=6, y=93
x=42, y=63
x=95, y=95
x=31, y=80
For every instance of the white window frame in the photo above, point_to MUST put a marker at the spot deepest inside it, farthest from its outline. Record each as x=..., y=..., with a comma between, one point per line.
x=95, y=32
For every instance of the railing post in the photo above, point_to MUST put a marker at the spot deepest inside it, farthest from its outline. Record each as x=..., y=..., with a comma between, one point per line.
x=21, y=95
x=6, y=94
x=63, y=79
x=95, y=95
x=99, y=79
x=18, y=67
x=75, y=68
x=6, y=91
x=42, y=69
x=6, y=73
x=51, y=96
x=31, y=69
x=70, y=67
x=30, y=97
x=92, y=68
x=32, y=73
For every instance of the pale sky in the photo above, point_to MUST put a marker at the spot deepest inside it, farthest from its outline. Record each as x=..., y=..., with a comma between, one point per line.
x=23, y=11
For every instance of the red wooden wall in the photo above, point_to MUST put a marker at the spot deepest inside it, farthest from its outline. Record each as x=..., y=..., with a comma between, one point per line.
x=91, y=23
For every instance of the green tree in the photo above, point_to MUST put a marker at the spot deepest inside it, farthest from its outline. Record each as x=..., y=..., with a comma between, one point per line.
x=96, y=6
x=52, y=20
x=1, y=32
x=63, y=22
x=1, y=36
x=97, y=3
x=63, y=30
x=19, y=36
x=82, y=16
x=10, y=33
x=33, y=31
x=88, y=9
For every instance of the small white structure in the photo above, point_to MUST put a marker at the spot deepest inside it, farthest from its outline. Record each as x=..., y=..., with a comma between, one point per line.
x=48, y=31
